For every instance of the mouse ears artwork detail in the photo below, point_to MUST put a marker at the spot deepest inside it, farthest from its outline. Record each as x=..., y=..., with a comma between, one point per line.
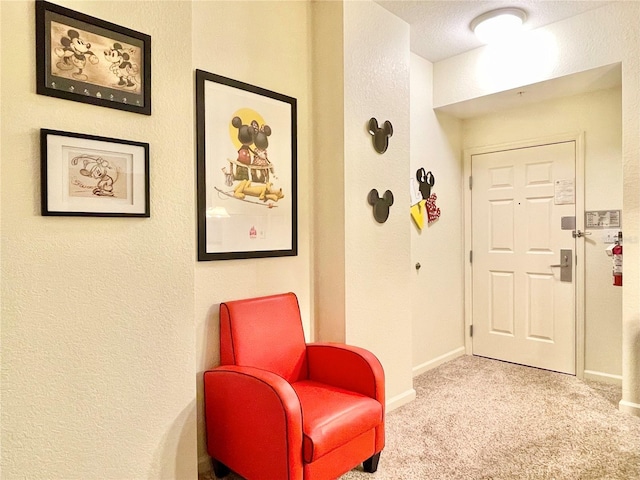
x=380, y=205
x=423, y=202
x=380, y=135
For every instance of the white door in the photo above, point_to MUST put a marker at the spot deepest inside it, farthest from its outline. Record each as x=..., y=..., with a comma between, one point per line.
x=523, y=312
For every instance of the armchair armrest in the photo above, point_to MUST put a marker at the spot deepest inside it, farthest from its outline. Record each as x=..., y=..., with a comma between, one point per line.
x=253, y=418
x=345, y=366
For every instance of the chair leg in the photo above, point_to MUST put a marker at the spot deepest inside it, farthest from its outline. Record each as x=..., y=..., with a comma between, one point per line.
x=370, y=465
x=219, y=468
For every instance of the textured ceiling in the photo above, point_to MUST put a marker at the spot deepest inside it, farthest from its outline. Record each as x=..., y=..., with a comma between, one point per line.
x=440, y=29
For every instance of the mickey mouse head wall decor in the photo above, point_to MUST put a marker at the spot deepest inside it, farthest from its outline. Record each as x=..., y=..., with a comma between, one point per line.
x=426, y=180
x=380, y=205
x=380, y=135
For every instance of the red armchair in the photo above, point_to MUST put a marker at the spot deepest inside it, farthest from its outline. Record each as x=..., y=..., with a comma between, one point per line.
x=279, y=409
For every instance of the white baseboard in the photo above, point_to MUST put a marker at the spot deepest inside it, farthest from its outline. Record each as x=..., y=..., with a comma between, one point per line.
x=629, y=407
x=603, y=377
x=400, y=400
x=204, y=464
x=420, y=369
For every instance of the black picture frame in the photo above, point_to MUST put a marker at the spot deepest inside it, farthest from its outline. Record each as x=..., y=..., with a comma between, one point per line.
x=87, y=175
x=247, y=198
x=89, y=60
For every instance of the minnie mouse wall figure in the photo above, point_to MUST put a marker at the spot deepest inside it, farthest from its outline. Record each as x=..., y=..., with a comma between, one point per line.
x=426, y=201
x=426, y=181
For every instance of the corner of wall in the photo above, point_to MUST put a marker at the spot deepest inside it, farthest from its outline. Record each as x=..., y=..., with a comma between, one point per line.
x=436, y=145
x=328, y=158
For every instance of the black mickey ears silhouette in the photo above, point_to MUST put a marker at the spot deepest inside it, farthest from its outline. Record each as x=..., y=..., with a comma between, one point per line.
x=380, y=138
x=380, y=205
x=380, y=135
x=426, y=181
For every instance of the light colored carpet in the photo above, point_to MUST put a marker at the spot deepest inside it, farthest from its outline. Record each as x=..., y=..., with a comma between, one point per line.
x=481, y=419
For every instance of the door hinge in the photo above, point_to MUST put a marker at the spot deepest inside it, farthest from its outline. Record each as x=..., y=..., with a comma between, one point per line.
x=470, y=256
x=470, y=182
x=471, y=330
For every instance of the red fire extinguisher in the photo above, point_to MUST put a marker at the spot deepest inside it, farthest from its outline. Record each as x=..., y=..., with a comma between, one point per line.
x=617, y=262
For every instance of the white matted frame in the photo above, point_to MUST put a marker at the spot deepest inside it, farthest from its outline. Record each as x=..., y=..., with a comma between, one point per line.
x=87, y=175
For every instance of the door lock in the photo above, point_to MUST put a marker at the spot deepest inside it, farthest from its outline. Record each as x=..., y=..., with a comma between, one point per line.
x=565, y=265
x=579, y=233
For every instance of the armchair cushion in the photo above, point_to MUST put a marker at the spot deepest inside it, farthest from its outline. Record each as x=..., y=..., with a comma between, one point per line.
x=332, y=417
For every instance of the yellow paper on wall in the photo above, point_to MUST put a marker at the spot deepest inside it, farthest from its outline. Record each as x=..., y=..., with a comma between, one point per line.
x=417, y=213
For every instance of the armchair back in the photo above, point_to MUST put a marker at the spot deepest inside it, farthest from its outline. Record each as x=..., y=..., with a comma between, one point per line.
x=265, y=333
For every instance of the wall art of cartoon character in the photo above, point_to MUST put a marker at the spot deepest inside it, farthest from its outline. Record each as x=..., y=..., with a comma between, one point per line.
x=121, y=65
x=74, y=54
x=248, y=174
x=260, y=158
x=245, y=137
x=97, y=168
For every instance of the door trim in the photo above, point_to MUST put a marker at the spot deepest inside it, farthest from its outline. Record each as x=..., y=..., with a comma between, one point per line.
x=578, y=138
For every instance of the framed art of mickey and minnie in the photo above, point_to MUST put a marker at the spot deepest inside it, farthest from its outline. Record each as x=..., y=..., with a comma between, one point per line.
x=86, y=59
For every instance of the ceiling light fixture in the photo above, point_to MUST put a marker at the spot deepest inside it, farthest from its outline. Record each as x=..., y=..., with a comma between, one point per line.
x=497, y=25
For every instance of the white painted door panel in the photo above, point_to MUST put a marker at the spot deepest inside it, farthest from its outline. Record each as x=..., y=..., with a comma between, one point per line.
x=522, y=311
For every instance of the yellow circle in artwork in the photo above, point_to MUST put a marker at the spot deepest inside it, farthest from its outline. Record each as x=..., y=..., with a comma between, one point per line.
x=247, y=115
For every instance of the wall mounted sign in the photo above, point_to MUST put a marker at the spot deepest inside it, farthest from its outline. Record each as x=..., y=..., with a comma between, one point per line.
x=602, y=219
x=247, y=170
x=565, y=192
x=85, y=59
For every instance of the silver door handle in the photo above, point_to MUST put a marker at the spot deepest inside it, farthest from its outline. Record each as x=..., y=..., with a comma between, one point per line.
x=565, y=262
x=578, y=234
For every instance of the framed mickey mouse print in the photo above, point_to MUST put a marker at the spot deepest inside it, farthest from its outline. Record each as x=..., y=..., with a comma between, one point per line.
x=89, y=60
x=247, y=169
x=87, y=175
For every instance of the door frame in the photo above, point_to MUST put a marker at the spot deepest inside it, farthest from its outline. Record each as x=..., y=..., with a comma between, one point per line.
x=578, y=138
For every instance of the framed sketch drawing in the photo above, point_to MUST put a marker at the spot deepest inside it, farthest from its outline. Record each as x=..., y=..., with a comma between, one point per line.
x=86, y=175
x=89, y=60
x=246, y=170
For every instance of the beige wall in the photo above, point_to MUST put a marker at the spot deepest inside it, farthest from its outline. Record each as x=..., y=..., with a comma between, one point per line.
x=361, y=266
x=377, y=255
x=438, y=286
x=328, y=171
x=598, y=115
x=98, y=359
x=276, y=57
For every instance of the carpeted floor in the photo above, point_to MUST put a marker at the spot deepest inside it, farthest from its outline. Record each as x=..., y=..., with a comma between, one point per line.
x=481, y=419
